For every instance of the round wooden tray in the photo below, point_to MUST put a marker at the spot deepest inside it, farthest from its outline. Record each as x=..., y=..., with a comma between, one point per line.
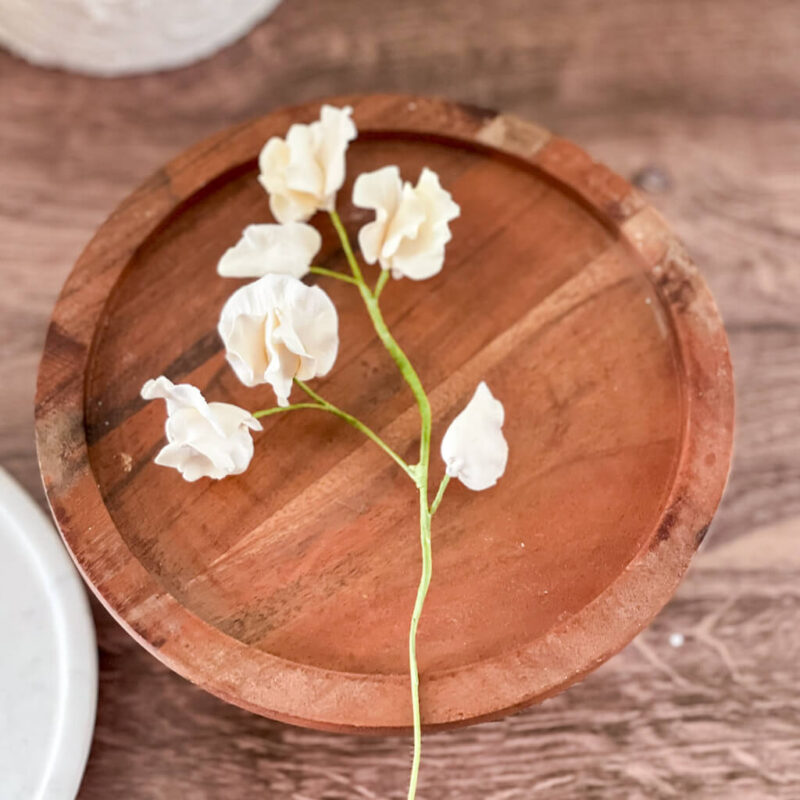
x=287, y=590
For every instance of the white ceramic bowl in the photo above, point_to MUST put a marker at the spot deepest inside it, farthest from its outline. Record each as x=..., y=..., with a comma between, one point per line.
x=119, y=37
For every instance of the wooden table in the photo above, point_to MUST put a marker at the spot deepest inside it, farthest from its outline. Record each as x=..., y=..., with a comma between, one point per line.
x=699, y=103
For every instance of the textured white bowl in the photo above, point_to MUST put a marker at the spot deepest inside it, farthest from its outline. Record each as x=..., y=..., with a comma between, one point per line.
x=119, y=37
x=48, y=657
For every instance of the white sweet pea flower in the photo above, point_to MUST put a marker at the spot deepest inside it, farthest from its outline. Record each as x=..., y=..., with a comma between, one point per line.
x=474, y=448
x=411, y=224
x=277, y=329
x=283, y=249
x=303, y=172
x=204, y=439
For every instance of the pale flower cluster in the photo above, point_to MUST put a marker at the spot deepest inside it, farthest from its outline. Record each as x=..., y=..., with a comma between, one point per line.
x=280, y=249
x=279, y=329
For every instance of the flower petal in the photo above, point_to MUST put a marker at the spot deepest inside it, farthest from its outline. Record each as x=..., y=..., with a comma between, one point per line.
x=311, y=314
x=422, y=256
x=304, y=173
x=230, y=417
x=398, y=213
x=440, y=205
x=184, y=395
x=404, y=225
x=474, y=448
x=191, y=464
x=337, y=130
x=283, y=249
x=380, y=191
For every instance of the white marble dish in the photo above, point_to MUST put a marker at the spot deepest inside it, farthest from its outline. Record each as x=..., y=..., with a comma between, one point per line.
x=48, y=657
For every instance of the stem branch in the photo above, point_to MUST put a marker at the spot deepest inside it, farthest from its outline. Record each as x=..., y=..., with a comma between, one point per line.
x=381, y=282
x=440, y=493
x=329, y=273
x=268, y=412
x=348, y=250
x=324, y=405
x=395, y=351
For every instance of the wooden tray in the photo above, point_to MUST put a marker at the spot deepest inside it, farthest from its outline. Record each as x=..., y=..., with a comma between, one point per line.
x=287, y=590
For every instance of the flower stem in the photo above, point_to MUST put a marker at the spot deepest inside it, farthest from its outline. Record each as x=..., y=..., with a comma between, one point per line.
x=395, y=351
x=381, y=282
x=348, y=250
x=422, y=591
x=411, y=378
x=268, y=412
x=440, y=493
x=419, y=472
x=329, y=273
x=324, y=405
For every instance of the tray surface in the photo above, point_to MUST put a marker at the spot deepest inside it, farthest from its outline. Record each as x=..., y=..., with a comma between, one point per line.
x=287, y=590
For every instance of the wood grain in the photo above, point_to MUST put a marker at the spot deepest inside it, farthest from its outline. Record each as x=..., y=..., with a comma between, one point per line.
x=696, y=100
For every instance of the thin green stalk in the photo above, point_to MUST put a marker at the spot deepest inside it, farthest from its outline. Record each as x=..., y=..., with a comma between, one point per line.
x=422, y=591
x=312, y=394
x=440, y=493
x=268, y=412
x=348, y=250
x=425, y=517
x=411, y=378
x=381, y=282
x=395, y=351
x=329, y=273
x=419, y=472
x=324, y=405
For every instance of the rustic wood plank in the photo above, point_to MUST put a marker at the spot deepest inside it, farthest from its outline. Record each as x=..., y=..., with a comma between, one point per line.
x=694, y=98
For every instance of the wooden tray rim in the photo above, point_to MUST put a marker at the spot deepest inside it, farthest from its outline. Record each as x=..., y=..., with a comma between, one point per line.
x=270, y=685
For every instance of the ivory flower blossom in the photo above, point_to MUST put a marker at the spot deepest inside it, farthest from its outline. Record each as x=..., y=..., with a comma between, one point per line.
x=411, y=226
x=203, y=439
x=277, y=329
x=474, y=448
x=282, y=249
x=303, y=172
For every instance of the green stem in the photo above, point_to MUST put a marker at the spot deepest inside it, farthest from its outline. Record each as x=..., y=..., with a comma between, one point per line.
x=324, y=405
x=419, y=472
x=268, y=412
x=425, y=517
x=395, y=351
x=329, y=273
x=440, y=493
x=381, y=282
x=348, y=251
x=411, y=378
x=422, y=591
